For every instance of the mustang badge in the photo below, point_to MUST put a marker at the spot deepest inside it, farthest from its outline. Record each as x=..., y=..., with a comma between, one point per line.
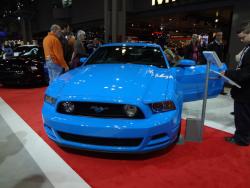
x=98, y=109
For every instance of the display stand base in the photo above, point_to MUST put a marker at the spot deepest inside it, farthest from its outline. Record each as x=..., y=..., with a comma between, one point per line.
x=193, y=130
x=181, y=140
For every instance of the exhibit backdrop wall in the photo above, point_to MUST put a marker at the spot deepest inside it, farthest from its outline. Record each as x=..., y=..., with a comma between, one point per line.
x=85, y=12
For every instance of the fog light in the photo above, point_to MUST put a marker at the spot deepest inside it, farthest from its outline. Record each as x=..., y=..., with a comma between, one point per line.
x=68, y=107
x=130, y=110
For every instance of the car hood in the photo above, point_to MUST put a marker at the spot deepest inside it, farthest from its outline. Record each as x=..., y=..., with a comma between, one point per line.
x=116, y=82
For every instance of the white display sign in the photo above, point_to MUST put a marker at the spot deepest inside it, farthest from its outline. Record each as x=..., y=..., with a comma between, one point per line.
x=212, y=57
x=226, y=79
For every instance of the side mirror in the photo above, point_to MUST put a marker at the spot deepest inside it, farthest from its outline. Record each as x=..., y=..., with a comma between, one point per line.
x=186, y=63
x=83, y=60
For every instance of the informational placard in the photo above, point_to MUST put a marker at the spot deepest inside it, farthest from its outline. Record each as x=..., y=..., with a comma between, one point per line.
x=212, y=57
x=226, y=79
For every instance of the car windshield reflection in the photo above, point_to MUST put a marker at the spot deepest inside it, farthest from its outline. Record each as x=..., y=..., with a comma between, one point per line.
x=151, y=56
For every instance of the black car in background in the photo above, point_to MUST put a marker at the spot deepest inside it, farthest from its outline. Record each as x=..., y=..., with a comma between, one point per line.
x=26, y=67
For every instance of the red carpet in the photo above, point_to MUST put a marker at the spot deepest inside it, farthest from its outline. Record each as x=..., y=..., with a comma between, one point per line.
x=212, y=163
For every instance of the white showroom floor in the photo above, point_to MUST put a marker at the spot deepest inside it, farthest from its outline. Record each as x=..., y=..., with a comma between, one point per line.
x=217, y=112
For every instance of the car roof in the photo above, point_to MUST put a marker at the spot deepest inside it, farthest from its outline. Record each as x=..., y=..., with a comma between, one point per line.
x=132, y=44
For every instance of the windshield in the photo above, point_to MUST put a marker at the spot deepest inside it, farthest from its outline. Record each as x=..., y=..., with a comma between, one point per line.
x=128, y=54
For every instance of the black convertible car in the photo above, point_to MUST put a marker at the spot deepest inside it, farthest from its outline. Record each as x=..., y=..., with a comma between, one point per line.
x=26, y=67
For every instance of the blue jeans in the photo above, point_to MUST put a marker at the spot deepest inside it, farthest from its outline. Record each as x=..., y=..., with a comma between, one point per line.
x=54, y=70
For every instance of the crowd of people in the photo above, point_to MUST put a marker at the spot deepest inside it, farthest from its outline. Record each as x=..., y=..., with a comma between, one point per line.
x=71, y=47
x=63, y=50
x=68, y=40
x=194, y=48
x=76, y=45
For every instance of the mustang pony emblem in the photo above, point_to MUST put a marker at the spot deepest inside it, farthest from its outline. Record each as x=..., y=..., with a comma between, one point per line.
x=98, y=109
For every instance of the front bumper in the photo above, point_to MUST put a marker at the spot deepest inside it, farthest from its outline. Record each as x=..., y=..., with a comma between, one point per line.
x=112, y=134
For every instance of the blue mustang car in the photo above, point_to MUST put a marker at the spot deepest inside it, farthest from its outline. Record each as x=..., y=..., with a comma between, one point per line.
x=125, y=98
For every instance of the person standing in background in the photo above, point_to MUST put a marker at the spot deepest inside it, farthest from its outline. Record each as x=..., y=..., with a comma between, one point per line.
x=64, y=39
x=193, y=50
x=218, y=46
x=71, y=41
x=80, y=49
x=53, y=52
x=241, y=96
x=93, y=45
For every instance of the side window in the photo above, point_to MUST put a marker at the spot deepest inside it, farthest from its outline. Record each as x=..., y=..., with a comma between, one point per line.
x=154, y=57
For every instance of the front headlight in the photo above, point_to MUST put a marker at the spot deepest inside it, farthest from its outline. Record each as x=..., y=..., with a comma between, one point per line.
x=130, y=110
x=49, y=99
x=163, y=106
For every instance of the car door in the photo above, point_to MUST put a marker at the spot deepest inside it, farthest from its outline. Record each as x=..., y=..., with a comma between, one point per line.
x=192, y=81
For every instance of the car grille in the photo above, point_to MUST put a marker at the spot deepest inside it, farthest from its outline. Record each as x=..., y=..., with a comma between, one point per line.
x=100, y=110
x=123, y=142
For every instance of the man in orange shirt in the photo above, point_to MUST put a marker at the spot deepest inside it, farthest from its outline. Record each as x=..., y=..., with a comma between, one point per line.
x=53, y=52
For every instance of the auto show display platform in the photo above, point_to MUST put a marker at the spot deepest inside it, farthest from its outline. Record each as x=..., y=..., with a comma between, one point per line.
x=29, y=159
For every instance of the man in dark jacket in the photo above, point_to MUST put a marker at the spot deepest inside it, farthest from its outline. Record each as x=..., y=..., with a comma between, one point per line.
x=67, y=49
x=218, y=46
x=241, y=96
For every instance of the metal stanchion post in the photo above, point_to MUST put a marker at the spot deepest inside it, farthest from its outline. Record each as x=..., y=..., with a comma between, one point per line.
x=204, y=103
x=194, y=127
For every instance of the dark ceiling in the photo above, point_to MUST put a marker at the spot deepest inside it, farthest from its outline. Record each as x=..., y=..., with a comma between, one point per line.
x=12, y=8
